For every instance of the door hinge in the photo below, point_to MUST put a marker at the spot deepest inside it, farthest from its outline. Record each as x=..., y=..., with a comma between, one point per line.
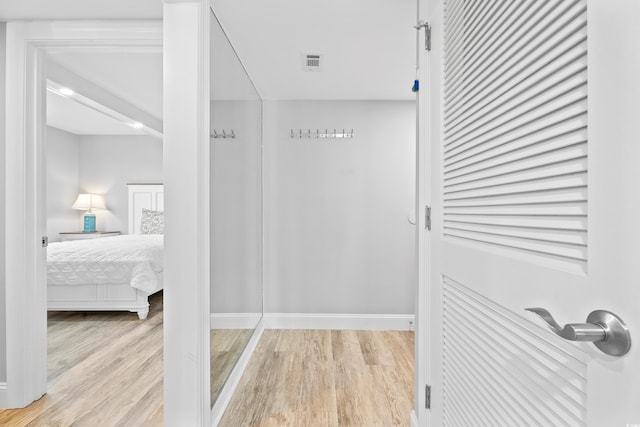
x=427, y=217
x=427, y=33
x=427, y=396
x=45, y=241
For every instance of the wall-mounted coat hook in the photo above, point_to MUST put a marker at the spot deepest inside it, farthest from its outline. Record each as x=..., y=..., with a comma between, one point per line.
x=309, y=134
x=215, y=134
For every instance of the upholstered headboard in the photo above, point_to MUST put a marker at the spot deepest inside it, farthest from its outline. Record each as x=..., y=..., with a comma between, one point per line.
x=143, y=196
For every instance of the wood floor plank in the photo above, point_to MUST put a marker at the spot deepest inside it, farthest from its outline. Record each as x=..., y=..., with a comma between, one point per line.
x=126, y=397
x=376, y=350
x=147, y=412
x=345, y=344
x=89, y=389
x=326, y=378
x=226, y=346
x=105, y=369
x=355, y=398
x=395, y=394
x=268, y=396
x=315, y=392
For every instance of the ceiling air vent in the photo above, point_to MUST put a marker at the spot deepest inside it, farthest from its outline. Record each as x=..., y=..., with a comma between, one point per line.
x=311, y=62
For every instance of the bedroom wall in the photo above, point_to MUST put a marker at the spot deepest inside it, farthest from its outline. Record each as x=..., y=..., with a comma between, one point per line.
x=63, y=161
x=3, y=323
x=337, y=239
x=108, y=163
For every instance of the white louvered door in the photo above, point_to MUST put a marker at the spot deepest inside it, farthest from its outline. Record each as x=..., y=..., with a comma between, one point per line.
x=534, y=173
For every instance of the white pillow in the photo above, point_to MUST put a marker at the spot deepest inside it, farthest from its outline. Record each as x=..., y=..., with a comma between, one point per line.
x=152, y=222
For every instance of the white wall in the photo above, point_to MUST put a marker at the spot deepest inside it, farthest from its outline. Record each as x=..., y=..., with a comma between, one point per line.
x=3, y=323
x=63, y=158
x=337, y=239
x=108, y=164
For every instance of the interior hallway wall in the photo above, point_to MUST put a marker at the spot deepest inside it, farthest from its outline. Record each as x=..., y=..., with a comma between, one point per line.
x=63, y=157
x=108, y=163
x=337, y=238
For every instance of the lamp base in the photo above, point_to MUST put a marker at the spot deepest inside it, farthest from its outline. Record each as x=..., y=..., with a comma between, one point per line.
x=89, y=223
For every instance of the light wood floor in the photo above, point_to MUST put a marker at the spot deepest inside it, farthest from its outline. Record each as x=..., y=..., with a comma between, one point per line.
x=226, y=347
x=326, y=378
x=105, y=369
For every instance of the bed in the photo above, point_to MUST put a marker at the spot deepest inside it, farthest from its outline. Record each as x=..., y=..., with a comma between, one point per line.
x=113, y=273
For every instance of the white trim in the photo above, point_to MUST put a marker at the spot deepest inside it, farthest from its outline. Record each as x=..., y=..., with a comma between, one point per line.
x=424, y=197
x=235, y=320
x=390, y=322
x=3, y=395
x=221, y=403
x=186, y=144
x=25, y=295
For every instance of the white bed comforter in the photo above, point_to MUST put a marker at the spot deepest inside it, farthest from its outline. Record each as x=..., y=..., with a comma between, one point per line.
x=133, y=259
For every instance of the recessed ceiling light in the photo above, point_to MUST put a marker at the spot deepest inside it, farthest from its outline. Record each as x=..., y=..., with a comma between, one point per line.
x=66, y=91
x=137, y=125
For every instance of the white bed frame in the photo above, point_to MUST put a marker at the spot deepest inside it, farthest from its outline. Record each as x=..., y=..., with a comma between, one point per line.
x=112, y=297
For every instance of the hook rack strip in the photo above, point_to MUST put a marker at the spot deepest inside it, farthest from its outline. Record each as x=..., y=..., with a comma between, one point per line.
x=319, y=134
x=224, y=134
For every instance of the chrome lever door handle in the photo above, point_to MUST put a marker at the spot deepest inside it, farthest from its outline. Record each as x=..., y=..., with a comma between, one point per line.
x=589, y=332
x=603, y=328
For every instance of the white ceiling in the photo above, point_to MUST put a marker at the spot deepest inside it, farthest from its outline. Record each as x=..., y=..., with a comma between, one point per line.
x=15, y=10
x=368, y=48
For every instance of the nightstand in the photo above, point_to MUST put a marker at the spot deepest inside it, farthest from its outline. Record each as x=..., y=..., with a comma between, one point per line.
x=81, y=235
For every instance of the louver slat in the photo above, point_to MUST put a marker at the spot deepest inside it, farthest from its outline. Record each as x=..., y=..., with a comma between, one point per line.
x=500, y=370
x=515, y=127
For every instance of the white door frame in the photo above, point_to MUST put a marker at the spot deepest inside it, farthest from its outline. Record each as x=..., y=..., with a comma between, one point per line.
x=187, y=230
x=26, y=307
x=423, y=199
x=186, y=169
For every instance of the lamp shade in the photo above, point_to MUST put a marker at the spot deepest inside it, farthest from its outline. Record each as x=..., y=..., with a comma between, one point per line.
x=86, y=202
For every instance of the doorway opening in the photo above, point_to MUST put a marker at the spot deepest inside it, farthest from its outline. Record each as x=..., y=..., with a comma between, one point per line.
x=35, y=47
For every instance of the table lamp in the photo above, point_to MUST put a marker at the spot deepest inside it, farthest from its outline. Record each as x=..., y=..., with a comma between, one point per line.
x=87, y=202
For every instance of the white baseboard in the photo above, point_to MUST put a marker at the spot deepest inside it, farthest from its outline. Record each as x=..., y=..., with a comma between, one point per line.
x=221, y=403
x=4, y=401
x=391, y=322
x=235, y=320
